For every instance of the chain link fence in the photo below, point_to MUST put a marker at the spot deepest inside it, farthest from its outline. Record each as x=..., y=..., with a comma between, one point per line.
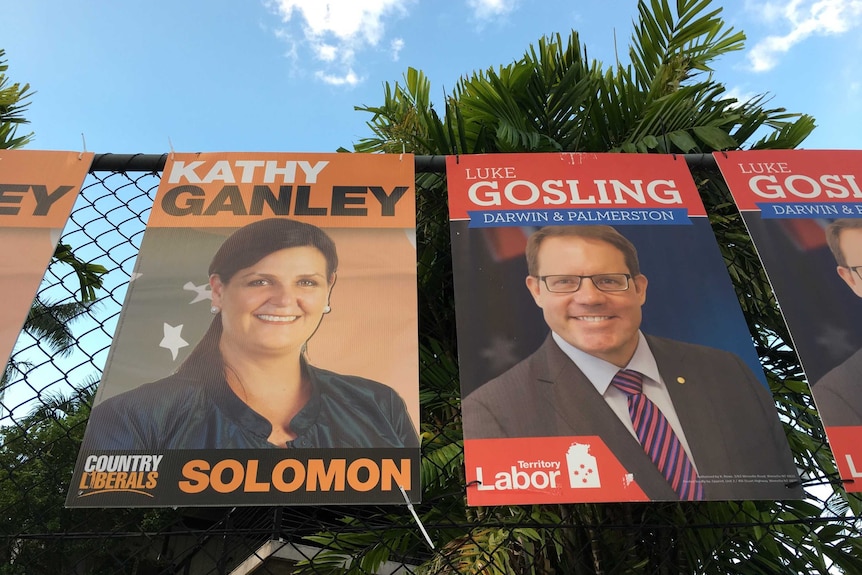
x=47, y=395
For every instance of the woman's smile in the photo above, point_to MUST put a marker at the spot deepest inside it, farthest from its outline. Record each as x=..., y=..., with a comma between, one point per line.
x=277, y=318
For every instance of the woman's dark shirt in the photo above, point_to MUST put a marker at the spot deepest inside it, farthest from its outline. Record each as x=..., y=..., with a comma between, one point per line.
x=187, y=411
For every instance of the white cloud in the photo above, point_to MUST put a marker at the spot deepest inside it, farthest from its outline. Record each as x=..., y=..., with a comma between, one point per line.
x=804, y=18
x=396, y=46
x=336, y=30
x=292, y=52
x=324, y=51
x=348, y=79
x=345, y=20
x=485, y=9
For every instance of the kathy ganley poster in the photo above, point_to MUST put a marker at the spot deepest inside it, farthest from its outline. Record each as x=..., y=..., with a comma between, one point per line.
x=267, y=350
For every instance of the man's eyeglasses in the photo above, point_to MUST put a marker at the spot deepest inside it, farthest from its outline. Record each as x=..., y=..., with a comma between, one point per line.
x=856, y=270
x=603, y=282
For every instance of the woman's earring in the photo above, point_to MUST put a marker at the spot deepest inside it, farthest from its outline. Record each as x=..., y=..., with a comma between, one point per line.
x=215, y=309
x=327, y=309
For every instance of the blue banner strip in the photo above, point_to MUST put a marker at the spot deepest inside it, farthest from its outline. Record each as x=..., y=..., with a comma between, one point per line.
x=810, y=210
x=581, y=216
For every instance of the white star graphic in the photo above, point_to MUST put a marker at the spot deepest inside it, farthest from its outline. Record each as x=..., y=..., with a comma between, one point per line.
x=202, y=292
x=172, y=339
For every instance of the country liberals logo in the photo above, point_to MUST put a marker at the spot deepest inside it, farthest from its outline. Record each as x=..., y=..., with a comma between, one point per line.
x=119, y=474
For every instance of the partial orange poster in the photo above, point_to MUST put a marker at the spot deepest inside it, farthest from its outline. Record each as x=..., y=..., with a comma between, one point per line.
x=37, y=192
x=267, y=352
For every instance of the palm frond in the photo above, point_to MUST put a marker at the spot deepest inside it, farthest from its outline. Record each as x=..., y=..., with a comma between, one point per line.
x=14, y=101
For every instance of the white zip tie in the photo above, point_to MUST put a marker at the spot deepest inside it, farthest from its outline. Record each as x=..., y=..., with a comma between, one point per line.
x=416, y=517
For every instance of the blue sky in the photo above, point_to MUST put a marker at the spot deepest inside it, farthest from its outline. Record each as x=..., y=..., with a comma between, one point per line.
x=284, y=75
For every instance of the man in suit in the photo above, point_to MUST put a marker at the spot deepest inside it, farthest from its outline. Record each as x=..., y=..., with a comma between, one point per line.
x=587, y=281
x=838, y=394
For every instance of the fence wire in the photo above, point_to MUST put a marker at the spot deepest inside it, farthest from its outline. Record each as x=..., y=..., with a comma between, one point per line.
x=46, y=396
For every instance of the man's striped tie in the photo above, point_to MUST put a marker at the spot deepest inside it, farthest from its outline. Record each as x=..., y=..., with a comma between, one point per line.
x=657, y=437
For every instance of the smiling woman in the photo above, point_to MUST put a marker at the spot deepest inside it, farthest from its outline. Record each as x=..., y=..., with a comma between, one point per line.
x=248, y=383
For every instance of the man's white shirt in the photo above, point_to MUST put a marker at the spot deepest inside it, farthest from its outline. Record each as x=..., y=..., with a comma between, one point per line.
x=600, y=373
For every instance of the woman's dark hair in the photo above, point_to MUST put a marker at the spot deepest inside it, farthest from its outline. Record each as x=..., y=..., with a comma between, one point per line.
x=244, y=248
x=250, y=244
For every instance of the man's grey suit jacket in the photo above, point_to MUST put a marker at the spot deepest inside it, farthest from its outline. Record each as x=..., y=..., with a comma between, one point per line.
x=727, y=415
x=838, y=394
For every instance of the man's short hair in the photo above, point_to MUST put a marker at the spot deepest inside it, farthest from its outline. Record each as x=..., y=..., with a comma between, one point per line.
x=833, y=236
x=605, y=234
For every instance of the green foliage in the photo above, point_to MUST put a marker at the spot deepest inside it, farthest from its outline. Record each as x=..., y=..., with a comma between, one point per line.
x=89, y=274
x=37, y=455
x=14, y=100
x=554, y=99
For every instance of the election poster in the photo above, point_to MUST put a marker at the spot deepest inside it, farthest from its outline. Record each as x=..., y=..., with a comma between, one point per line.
x=37, y=192
x=803, y=209
x=603, y=353
x=267, y=351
